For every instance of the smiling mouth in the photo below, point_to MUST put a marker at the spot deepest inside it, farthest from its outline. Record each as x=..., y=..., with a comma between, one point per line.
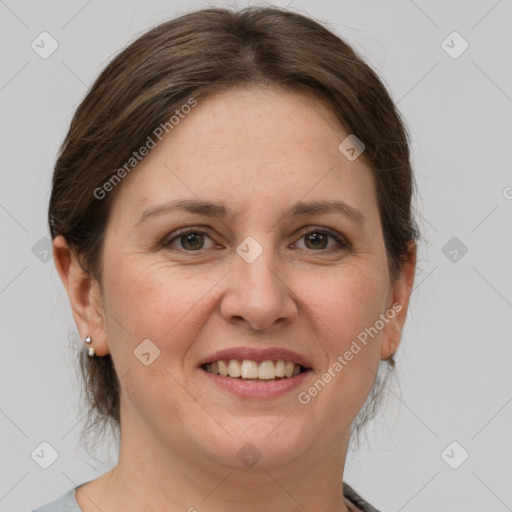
x=249, y=370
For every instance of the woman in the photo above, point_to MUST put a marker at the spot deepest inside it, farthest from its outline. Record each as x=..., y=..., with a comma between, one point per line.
x=231, y=219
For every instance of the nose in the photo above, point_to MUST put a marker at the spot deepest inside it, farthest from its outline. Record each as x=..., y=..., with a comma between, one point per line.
x=258, y=293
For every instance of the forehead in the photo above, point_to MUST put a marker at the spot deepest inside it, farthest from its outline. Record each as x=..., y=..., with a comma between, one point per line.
x=255, y=149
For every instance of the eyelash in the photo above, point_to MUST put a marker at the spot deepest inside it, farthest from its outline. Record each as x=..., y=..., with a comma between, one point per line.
x=343, y=243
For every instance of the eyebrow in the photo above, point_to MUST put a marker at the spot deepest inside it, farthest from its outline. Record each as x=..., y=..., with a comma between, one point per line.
x=211, y=209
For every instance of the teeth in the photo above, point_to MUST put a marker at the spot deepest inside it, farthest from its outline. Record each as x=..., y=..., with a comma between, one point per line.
x=280, y=366
x=234, y=368
x=288, y=369
x=267, y=370
x=223, y=368
x=248, y=369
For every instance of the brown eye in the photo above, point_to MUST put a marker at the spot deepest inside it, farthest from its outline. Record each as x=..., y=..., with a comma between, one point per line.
x=188, y=240
x=192, y=241
x=318, y=239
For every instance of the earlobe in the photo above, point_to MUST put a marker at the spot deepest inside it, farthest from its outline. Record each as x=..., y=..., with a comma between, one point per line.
x=83, y=294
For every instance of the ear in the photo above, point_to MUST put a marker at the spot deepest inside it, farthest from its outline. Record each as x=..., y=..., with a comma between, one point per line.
x=84, y=296
x=398, y=305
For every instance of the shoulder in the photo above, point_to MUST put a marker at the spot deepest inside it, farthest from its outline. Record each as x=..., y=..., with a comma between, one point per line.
x=66, y=503
x=357, y=500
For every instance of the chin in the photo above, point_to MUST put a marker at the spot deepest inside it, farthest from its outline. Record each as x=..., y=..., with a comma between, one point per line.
x=260, y=442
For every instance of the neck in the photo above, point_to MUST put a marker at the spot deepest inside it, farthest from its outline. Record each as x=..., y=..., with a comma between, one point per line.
x=150, y=477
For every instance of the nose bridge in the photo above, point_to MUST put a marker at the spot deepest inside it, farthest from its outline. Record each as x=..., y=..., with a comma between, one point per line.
x=256, y=266
x=259, y=294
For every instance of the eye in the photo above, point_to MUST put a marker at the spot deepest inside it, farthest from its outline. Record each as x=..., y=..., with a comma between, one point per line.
x=188, y=239
x=193, y=240
x=317, y=239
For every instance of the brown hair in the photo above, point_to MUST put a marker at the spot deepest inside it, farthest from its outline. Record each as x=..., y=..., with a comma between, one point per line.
x=192, y=56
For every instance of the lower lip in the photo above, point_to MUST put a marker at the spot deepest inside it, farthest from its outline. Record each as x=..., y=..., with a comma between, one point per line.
x=260, y=389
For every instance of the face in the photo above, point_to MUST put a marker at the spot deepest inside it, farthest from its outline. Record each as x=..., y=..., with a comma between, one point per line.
x=259, y=276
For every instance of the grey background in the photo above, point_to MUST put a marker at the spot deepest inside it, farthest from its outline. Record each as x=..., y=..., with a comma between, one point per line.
x=454, y=364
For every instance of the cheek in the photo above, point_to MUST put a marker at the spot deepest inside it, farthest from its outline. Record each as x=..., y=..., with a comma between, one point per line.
x=345, y=303
x=161, y=304
x=347, y=307
x=157, y=302
x=150, y=296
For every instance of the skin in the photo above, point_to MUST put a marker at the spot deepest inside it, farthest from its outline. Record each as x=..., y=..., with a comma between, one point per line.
x=258, y=151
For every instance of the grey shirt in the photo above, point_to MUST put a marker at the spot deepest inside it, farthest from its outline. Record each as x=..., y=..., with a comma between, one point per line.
x=68, y=503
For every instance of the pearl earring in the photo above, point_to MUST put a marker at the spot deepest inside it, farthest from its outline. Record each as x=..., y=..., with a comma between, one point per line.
x=90, y=350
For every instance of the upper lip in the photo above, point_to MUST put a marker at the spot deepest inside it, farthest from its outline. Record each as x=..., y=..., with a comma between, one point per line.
x=258, y=354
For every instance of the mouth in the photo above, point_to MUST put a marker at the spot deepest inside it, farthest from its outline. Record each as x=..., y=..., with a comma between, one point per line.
x=256, y=373
x=251, y=370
